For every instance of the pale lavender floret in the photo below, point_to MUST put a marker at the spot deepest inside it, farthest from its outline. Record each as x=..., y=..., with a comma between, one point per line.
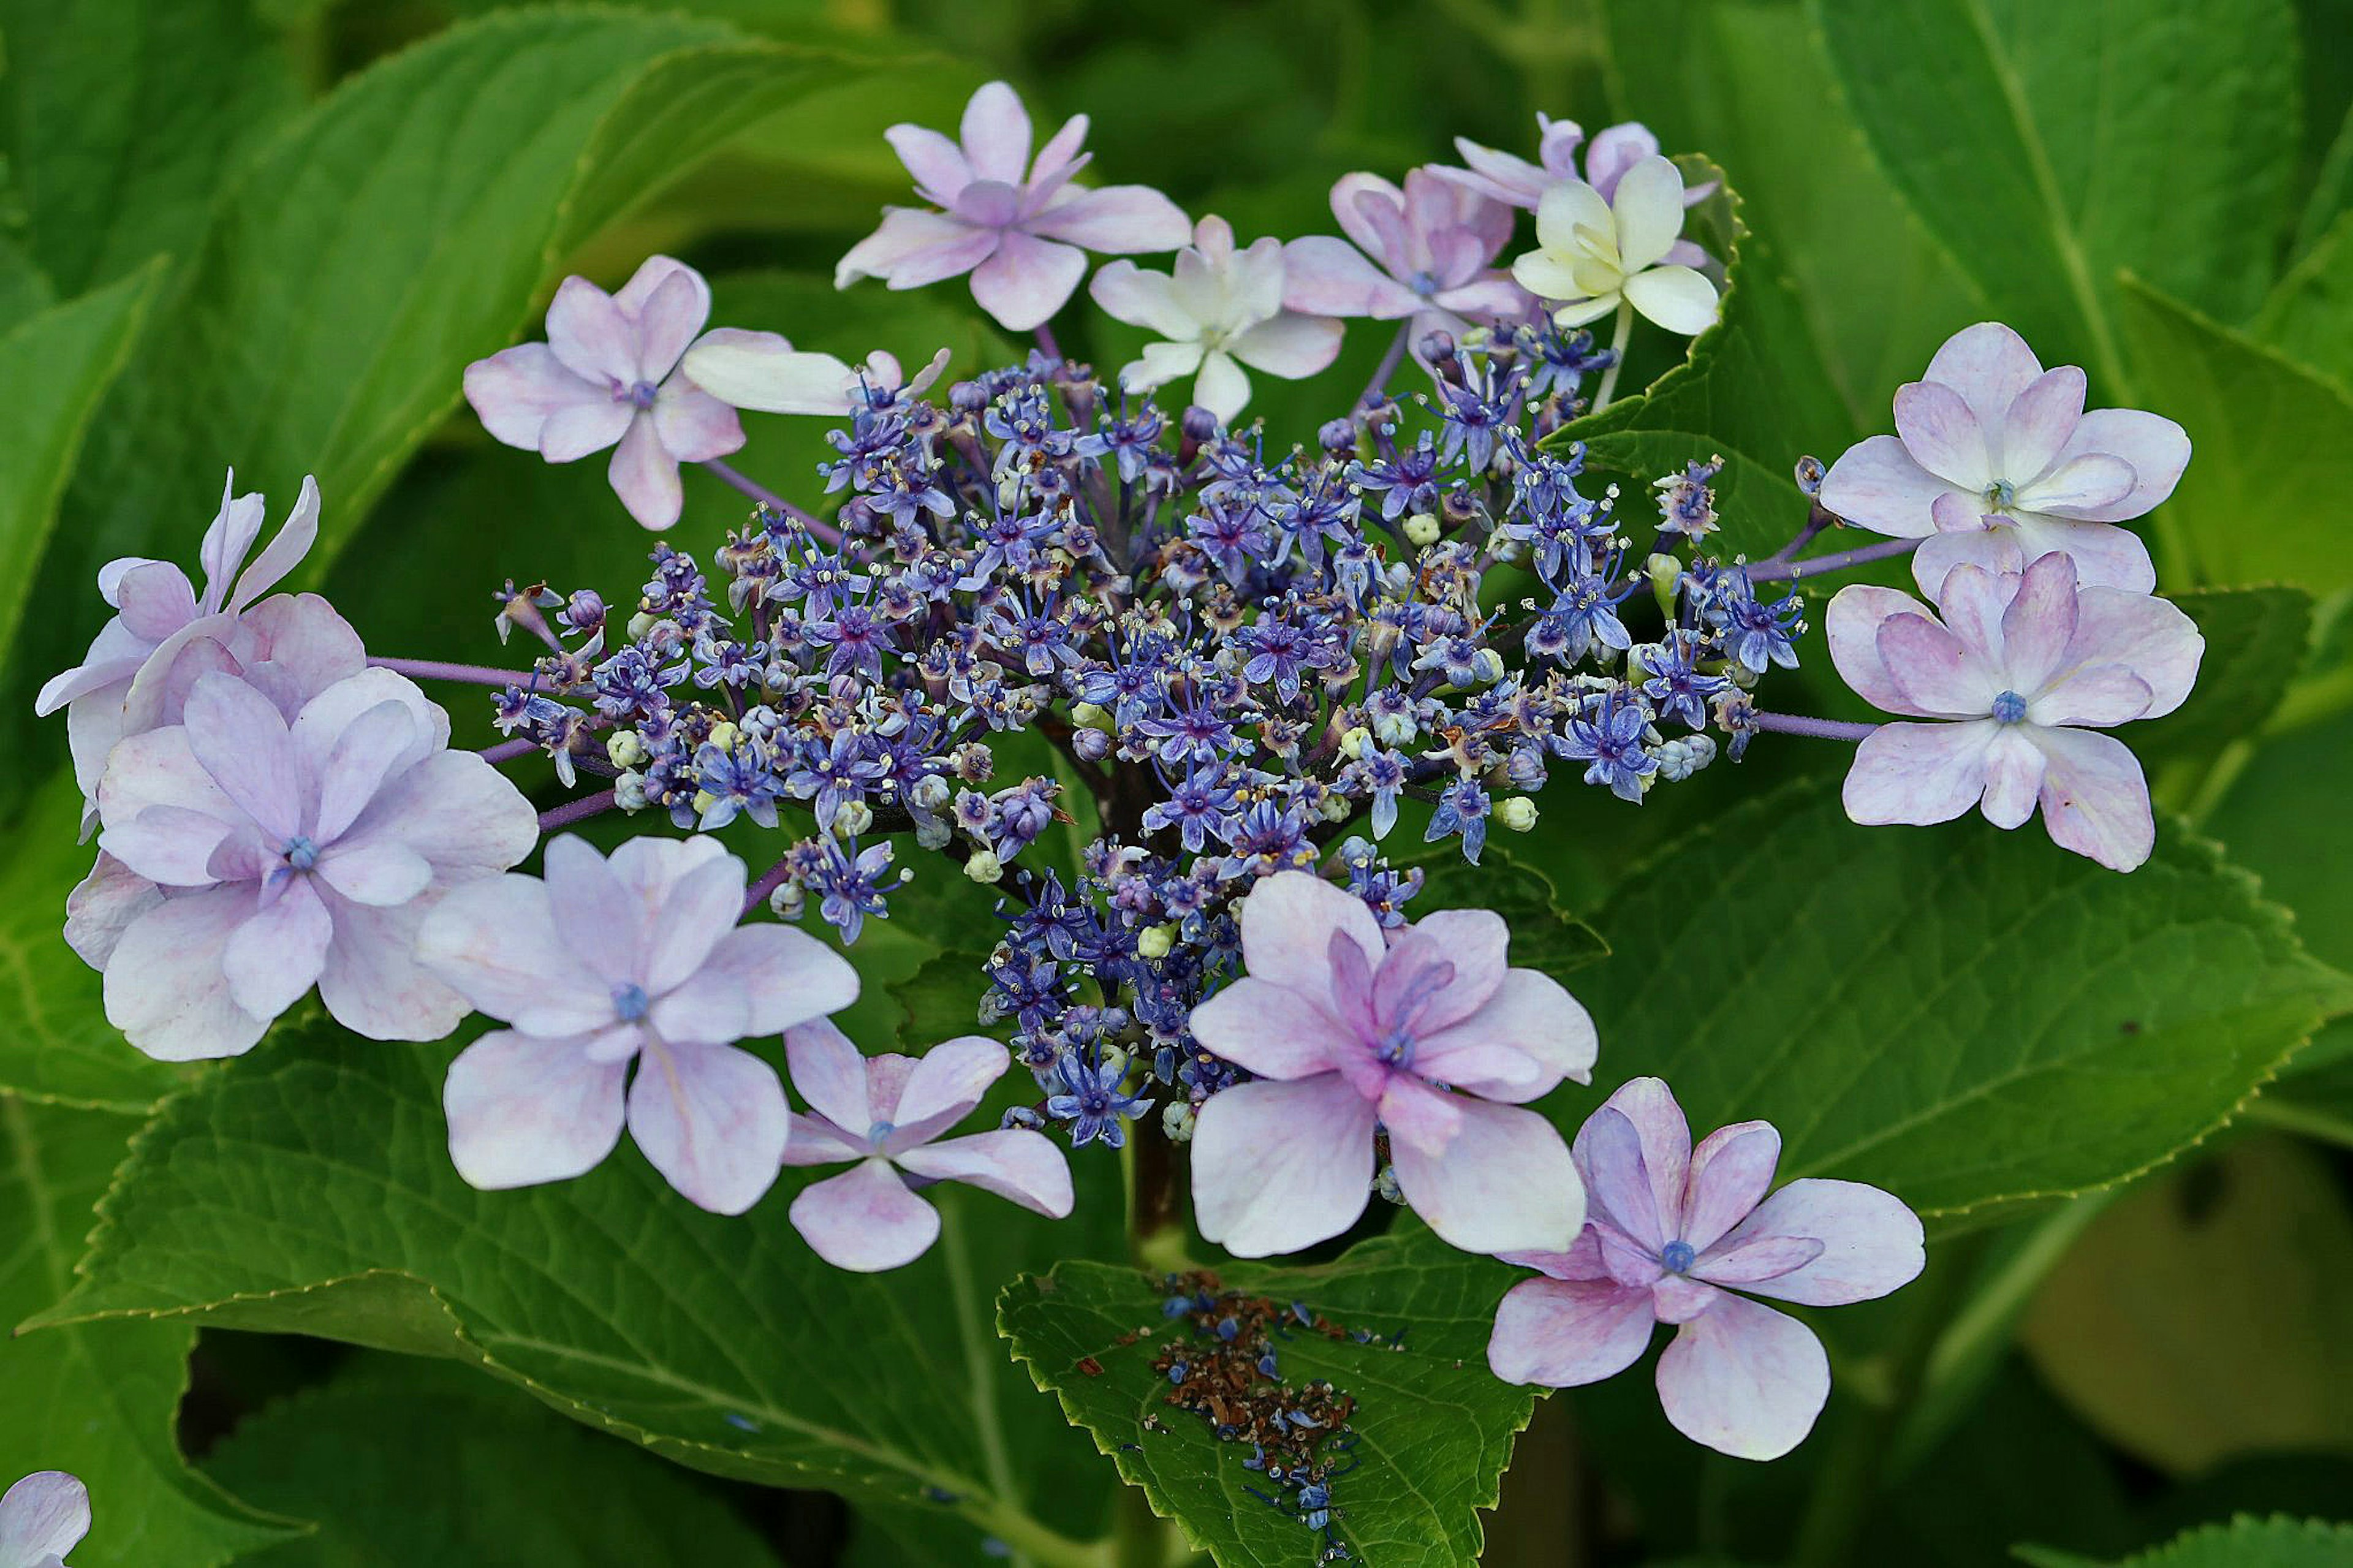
x=1992, y=448
x=1425, y=254
x=247, y=859
x=887, y=1112
x=609, y=375
x=1021, y=229
x=1684, y=1236
x=1422, y=1030
x=42, y=1517
x=164, y=635
x=2023, y=668
x=606, y=962
x=1514, y=181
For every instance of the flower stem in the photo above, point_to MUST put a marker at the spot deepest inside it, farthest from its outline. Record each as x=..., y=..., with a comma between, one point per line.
x=769, y=881
x=1617, y=341
x=434, y=669
x=508, y=750
x=1819, y=729
x=772, y=501
x=1046, y=343
x=1378, y=387
x=572, y=811
x=1777, y=570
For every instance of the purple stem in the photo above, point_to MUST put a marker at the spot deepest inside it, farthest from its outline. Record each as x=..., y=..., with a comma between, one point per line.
x=1776, y=571
x=1378, y=387
x=508, y=750
x=1046, y=343
x=770, y=880
x=772, y=501
x=572, y=811
x=434, y=669
x=1816, y=520
x=1819, y=729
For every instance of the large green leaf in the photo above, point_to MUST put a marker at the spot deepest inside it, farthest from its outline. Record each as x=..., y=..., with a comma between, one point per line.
x=1968, y=1018
x=2309, y=314
x=307, y=1188
x=123, y=116
x=2261, y=500
x=2245, y=1543
x=1433, y=1426
x=401, y=1464
x=2051, y=145
x=97, y=1401
x=1544, y=935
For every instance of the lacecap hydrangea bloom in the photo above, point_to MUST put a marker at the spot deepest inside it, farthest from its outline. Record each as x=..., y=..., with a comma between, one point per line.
x=42, y=1517
x=1596, y=254
x=1424, y=255
x=1514, y=181
x=1684, y=1236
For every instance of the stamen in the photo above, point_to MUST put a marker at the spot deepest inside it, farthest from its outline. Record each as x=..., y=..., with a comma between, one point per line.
x=1676, y=1257
x=300, y=853
x=629, y=1000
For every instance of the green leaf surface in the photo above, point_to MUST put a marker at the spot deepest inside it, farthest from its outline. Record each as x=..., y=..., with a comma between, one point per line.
x=402, y=1463
x=1433, y=1426
x=2255, y=639
x=2243, y=1543
x=99, y=1401
x=2308, y=315
x=1544, y=935
x=1967, y=1018
x=58, y=364
x=2049, y=146
x=2261, y=499
x=2202, y=1317
x=307, y=1188
x=121, y=118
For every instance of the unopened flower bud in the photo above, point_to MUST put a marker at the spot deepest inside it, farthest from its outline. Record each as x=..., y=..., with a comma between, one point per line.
x=983, y=866
x=641, y=624
x=1337, y=437
x=1176, y=1119
x=1666, y=571
x=1385, y=1183
x=1437, y=348
x=704, y=801
x=723, y=735
x=624, y=750
x=788, y=900
x=854, y=818
x=1517, y=813
x=1091, y=745
x=1156, y=941
x=1353, y=742
x=1421, y=531
x=629, y=791
x=1810, y=474
x=1199, y=425
x=934, y=833
x=1091, y=716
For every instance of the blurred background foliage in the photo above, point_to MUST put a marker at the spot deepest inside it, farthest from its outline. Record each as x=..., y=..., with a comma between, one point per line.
x=268, y=232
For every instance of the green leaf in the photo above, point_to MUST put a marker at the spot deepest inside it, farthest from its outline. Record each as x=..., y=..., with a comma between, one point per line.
x=2308, y=316
x=1544, y=935
x=2273, y=447
x=2245, y=1543
x=403, y=1464
x=60, y=362
x=307, y=1188
x=122, y=119
x=2256, y=640
x=1968, y=1018
x=99, y=1401
x=2049, y=146
x=2202, y=1317
x=1752, y=391
x=1433, y=1426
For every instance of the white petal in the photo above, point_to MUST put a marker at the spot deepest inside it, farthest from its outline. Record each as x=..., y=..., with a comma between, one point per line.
x=1918, y=772
x=1015, y=1164
x=1279, y=1166
x=1649, y=208
x=1744, y=1379
x=1505, y=1184
x=1877, y=484
x=1565, y=1333
x=524, y=1111
x=2094, y=797
x=865, y=1219
x=712, y=1119
x=1677, y=297
x=165, y=987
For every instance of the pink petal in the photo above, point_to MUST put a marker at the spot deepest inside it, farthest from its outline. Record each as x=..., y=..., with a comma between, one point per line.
x=1876, y=484
x=1221, y=387
x=1582, y=1260
x=1664, y=1138
x=372, y=984
x=669, y=313
x=231, y=534
x=763, y=370
x=1989, y=550
x=1326, y=276
x=1730, y=1172
x=1972, y=601
x=701, y=906
x=517, y=391
x=2150, y=636
x=1115, y=220
x=1288, y=921
x=1417, y=1113
x=1943, y=436
x=170, y=845
x=1743, y=1380
x=1489, y=300
x=275, y=955
x=241, y=740
x=996, y=133
x=712, y=1119
x=645, y=476
x=1060, y=150
x=987, y=204
x=1015, y=1164
x=375, y=870
x=786, y=976
x=947, y=1083
x=285, y=551
x=1614, y=150
x=2094, y=797
x=1529, y=1016
x=457, y=811
x=2013, y=774
x=1917, y=772
x=1279, y=1166
x=323, y=720
x=2105, y=555
x=1938, y=677
x=595, y=920
x=369, y=748
x=591, y=336
x=524, y=1111
x=495, y=940
x=1027, y=280
x=829, y=1072
x=44, y=1516
x=1856, y=612
x=2079, y=488
x=2157, y=448
x=865, y=1219
x=2039, y=419
x=1750, y=1262
x=102, y=906
x=816, y=1140
x=1988, y=365
x=694, y=426
x=1476, y=943
x=156, y=600
x=1291, y=345
x=1626, y=1195
x=166, y=988
x=937, y=163
x=1504, y=1184
x=2098, y=695
x=1871, y=1242
x=1565, y=1333
x=914, y=248
x=2039, y=625
x=1273, y=1030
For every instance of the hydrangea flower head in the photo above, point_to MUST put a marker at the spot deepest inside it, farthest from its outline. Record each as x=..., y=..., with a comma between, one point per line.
x=1427, y=253
x=887, y=1112
x=609, y=376
x=1684, y=1236
x=2017, y=672
x=606, y=962
x=1220, y=309
x=1499, y=176
x=42, y=1517
x=1593, y=252
x=1991, y=448
x=1423, y=1031
x=255, y=859
x=164, y=634
x=1021, y=229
